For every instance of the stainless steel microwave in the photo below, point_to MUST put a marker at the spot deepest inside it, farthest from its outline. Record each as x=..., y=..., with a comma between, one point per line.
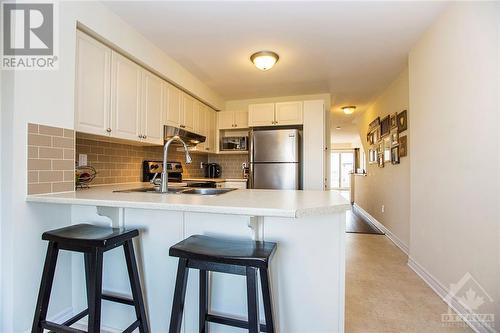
x=239, y=143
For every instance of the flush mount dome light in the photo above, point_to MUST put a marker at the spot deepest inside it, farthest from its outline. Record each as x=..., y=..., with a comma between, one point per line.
x=264, y=60
x=348, y=109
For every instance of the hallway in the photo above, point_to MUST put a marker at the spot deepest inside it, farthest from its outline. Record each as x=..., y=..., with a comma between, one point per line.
x=383, y=295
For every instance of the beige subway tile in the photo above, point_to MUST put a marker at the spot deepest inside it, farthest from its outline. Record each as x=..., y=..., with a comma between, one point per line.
x=63, y=165
x=63, y=187
x=32, y=152
x=63, y=142
x=39, y=188
x=49, y=130
x=46, y=152
x=50, y=176
x=69, y=133
x=69, y=176
x=69, y=154
x=37, y=164
x=103, y=158
x=32, y=177
x=97, y=150
x=39, y=140
x=32, y=128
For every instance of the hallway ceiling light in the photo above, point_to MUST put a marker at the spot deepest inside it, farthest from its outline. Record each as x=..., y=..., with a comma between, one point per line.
x=348, y=109
x=264, y=60
x=338, y=128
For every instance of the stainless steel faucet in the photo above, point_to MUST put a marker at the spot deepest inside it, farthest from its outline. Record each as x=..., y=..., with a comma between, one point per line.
x=164, y=174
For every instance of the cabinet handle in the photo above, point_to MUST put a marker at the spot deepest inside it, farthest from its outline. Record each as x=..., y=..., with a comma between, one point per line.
x=144, y=136
x=183, y=126
x=235, y=125
x=207, y=148
x=108, y=129
x=140, y=136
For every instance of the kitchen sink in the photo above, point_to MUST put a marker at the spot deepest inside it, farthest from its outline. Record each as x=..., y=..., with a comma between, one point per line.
x=180, y=190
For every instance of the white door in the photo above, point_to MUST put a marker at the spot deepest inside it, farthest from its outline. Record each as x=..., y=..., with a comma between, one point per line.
x=261, y=114
x=93, y=85
x=225, y=120
x=187, y=119
x=289, y=113
x=125, y=98
x=241, y=119
x=152, y=126
x=173, y=106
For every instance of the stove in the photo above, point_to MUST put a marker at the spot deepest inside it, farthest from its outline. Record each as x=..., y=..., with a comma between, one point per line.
x=152, y=170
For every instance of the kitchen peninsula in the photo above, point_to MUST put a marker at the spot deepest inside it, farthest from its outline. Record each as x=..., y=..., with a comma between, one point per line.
x=307, y=271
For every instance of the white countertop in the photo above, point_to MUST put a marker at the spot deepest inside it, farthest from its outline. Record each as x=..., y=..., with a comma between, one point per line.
x=217, y=180
x=272, y=203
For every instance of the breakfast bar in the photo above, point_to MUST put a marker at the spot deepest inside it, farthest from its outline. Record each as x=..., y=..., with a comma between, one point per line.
x=307, y=270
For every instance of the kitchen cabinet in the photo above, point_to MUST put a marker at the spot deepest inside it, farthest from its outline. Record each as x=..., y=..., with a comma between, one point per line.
x=93, y=85
x=209, y=145
x=187, y=116
x=232, y=184
x=202, y=125
x=232, y=119
x=152, y=109
x=261, y=114
x=172, y=105
x=289, y=113
x=315, y=153
x=125, y=98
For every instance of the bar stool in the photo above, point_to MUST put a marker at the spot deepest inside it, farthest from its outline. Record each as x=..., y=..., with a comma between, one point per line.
x=226, y=256
x=93, y=241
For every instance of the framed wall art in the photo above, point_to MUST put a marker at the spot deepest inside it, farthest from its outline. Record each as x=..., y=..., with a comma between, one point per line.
x=385, y=126
x=374, y=124
x=394, y=121
x=394, y=137
x=387, y=149
x=403, y=146
x=402, y=120
x=395, y=155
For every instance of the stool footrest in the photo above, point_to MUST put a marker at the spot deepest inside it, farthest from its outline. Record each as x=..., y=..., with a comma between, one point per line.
x=230, y=322
x=132, y=326
x=59, y=328
x=118, y=299
x=75, y=318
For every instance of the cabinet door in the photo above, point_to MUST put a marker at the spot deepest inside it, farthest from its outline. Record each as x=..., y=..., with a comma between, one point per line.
x=152, y=126
x=238, y=185
x=187, y=119
x=211, y=119
x=93, y=85
x=225, y=120
x=197, y=109
x=241, y=119
x=289, y=113
x=173, y=106
x=125, y=98
x=203, y=126
x=261, y=114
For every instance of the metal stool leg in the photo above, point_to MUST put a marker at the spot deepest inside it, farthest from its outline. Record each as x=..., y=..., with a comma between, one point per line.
x=203, y=301
x=94, y=295
x=42, y=304
x=135, y=285
x=179, y=296
x=253, y=300
x=266, y=295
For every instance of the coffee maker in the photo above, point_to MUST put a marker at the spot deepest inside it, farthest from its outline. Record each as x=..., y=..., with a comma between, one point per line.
x=212, y=170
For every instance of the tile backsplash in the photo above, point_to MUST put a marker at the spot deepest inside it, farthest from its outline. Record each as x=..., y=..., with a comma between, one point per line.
x=51, y=156
x=122, y=163
x=230, y=164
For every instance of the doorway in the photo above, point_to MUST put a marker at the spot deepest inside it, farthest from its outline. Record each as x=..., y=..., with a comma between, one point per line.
x=342, y=165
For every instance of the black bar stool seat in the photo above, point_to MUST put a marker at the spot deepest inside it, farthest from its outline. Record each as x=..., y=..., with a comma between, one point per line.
x=93, y=241
x=241, y=257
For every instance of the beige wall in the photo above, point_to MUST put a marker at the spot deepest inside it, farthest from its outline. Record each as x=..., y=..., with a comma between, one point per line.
x=454, y=103
x=388, y=186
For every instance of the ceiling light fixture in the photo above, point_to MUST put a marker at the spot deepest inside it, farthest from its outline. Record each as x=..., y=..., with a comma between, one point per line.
x=348, y=109
x=264, y=60
x=338, y=128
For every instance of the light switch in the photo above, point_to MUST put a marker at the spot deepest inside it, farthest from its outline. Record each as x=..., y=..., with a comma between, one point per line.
x=82, y=159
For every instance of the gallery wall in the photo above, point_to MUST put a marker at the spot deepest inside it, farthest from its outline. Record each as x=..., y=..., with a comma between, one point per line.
x=388, y=186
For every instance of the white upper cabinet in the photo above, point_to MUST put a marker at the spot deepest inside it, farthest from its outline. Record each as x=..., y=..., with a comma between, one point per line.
x=187, y=116
x=173, y=105
x=289, y=113
x=93, y=85
x=261, y=114
x=232, y=119
x=125, y=98
x=197, y=112
x=152, y=101
x=211, y=129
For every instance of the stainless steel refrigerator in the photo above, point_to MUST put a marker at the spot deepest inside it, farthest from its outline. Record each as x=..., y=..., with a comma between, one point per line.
x=275, y=159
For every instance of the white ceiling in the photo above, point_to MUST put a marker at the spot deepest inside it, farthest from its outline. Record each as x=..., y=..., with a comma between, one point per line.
x=349, y=49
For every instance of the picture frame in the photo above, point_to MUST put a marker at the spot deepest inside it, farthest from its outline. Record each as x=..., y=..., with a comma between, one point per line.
x=376, y=135
x=394, y=137
x=402, y=120
x=394, y=121
x=403, y=146
x=385, y=126
x=372, y=156
x=387, y=149
x=380, y=160
x=374, y=124
x=395, y=155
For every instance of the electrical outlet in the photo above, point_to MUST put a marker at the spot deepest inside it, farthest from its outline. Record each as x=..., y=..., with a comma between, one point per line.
x=82, y=159
x=243, y=165
x=201, y=165
x=383, y=208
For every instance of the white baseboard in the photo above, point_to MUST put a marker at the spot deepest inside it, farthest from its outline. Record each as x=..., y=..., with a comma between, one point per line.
x=452, y=302
x=380, y=226
x=66, y=314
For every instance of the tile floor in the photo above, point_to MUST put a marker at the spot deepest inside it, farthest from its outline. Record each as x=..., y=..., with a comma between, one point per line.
x=383, y=295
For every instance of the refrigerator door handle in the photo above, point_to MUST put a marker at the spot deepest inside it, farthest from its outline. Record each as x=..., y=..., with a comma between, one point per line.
x=250, y=159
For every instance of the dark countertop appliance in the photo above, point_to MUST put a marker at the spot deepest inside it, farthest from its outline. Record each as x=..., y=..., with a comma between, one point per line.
x=212, y=170
x=174, y=171
x=234, y=143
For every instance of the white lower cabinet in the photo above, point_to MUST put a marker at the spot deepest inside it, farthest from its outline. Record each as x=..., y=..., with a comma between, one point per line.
x=232, y=184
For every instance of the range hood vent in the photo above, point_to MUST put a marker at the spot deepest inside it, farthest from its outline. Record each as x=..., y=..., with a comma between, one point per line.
x=190, y=138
